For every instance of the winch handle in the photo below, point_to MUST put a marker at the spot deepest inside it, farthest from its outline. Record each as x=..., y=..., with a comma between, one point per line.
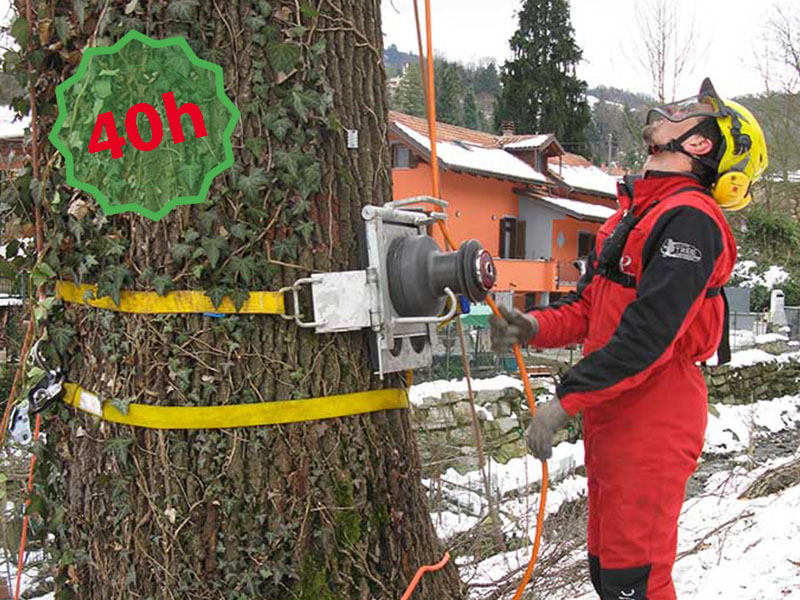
x=437, y=320
x=417, y=200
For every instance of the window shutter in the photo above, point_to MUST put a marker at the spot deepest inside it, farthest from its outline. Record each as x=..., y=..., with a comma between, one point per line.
x=519, y=251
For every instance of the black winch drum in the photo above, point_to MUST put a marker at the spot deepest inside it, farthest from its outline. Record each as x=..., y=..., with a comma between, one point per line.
x=418, y=273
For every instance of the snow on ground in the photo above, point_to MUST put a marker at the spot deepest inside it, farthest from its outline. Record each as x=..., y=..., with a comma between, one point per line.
x=746, y=269
x=728, y=548
x=747, y=548
x=734, y=426
x=420, y=391
x=8, y=570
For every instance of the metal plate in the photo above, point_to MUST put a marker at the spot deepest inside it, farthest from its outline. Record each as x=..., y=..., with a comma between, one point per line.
x=341, y=301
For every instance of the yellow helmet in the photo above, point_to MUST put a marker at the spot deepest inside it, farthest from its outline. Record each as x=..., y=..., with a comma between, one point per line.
x=742, y=156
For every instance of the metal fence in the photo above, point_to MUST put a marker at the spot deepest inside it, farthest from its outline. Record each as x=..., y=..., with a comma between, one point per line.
x=12, y=287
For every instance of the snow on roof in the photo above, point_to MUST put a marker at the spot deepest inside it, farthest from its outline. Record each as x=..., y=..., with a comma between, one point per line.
x=10, y=126
x=578, y=208
x=491, y=161
x=533, y=142
x=587, y=178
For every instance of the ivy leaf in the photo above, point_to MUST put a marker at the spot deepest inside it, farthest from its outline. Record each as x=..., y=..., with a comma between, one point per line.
x=43, y=308
x=285, y=249
x=61, y=336
x=279, y=127
x=310, y=180
x=287, y=161
x=162, y=284
x=306, y=229
x=255, y=145
x=183, y=10
x=239, y=297
x=121, y=404
x=180, y=252
x=118, y=447
x=190, y=235
x=283, y=56
x=253, y=184
x=76, y=229
x=213, y=247
x=216, y=295
x=242, y=268
x=240, y=231
x=303, y=101
x=19, y=30
x=41, y=273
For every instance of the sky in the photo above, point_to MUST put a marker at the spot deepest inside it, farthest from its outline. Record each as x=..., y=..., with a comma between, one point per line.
x=730, y=36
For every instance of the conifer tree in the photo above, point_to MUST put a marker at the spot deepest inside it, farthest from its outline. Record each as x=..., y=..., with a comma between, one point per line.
x=409, y=97
x=541, y=92
x=470, y=111
x=449, y=93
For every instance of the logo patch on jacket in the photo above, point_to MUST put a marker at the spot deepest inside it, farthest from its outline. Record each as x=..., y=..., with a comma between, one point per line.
x=672, y=249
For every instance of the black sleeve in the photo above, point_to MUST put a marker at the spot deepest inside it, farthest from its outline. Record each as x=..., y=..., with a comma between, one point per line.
x=678, y=259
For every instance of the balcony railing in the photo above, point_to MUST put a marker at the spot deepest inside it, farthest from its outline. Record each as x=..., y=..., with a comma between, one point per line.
x=567, y=274
x=10, y=288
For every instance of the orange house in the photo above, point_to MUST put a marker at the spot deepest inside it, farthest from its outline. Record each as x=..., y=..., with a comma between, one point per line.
x=534, y=207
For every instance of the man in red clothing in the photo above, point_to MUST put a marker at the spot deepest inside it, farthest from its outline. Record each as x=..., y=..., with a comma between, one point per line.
x=648, y=310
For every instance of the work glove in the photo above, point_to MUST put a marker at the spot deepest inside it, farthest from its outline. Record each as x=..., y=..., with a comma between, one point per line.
x=514, y=327
x=550, y=417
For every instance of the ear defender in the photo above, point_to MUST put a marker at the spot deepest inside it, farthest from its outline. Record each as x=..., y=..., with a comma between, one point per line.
x=732, y=190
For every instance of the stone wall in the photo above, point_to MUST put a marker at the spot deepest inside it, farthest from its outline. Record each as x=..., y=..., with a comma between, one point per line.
x=446, y=436
x=743, y=385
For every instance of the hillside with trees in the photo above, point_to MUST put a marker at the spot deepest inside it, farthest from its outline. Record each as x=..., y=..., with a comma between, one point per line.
x=466, y=94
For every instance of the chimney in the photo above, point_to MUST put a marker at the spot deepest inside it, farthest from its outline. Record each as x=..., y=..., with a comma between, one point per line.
x=508, y=128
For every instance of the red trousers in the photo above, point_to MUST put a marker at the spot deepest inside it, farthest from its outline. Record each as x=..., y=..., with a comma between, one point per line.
x=641, y=448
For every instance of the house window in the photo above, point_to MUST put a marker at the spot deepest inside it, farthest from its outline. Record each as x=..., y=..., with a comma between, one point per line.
x=512, y=238
x=586, y=243
x=401, y=157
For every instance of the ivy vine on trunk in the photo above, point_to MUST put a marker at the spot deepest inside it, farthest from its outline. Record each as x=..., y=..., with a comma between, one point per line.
x=324, y=510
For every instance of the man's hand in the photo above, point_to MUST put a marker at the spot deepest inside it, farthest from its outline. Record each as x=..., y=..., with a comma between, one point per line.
x=550, y=417
x=514, y=327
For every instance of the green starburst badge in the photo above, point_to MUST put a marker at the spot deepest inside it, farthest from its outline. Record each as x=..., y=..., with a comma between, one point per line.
x=144, y=125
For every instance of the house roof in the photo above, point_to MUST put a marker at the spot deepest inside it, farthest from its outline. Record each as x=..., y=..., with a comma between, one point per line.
x=577, y=172
x=574, y=208
x=460, y=155
x=452, y=133
x=466, y=150
x=532, y=142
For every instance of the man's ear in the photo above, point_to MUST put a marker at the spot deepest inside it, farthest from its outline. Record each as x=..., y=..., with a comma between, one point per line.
x=698, y=145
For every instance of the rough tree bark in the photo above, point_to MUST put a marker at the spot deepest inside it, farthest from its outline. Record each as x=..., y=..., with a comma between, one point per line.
x=324, y=510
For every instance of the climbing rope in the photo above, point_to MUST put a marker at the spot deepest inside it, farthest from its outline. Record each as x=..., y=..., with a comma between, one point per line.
x=429, y=88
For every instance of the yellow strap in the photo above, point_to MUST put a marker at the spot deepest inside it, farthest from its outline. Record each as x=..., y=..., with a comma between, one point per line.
x=236, y=415
x=269, y=303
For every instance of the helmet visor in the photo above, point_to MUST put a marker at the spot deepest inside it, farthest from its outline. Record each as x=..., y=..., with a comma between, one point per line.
x=694, y=106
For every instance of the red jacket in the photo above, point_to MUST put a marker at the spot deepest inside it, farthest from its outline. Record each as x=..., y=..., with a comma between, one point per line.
x=660, y=303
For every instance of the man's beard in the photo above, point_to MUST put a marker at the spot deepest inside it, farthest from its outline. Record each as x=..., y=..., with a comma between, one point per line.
x=647, y=134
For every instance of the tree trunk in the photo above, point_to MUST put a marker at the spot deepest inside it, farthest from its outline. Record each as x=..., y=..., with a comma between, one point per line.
x=325, y=510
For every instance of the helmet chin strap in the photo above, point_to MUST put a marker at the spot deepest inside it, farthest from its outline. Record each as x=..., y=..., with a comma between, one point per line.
x=676, y=145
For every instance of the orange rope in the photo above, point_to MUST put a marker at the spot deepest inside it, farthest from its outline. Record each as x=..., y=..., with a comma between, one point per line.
x=421, y=571
x=24, y=537
x=39, y=229
x=431, y=106
x=523, y=374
